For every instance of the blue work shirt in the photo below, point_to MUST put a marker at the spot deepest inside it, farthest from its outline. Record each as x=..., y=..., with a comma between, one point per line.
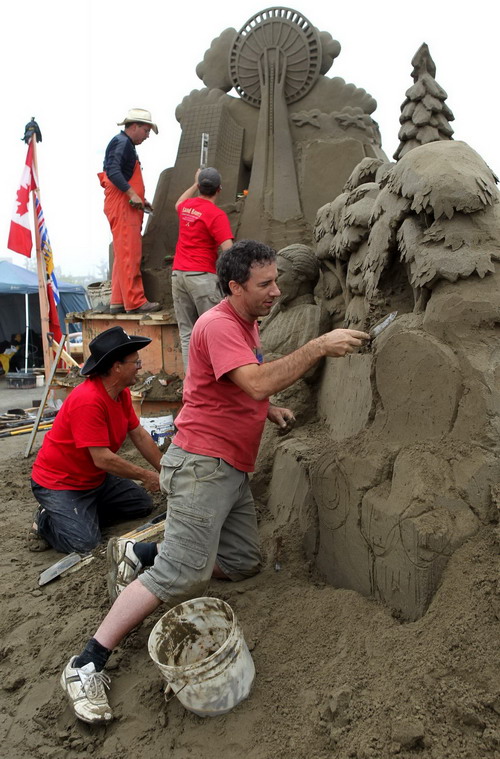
x=119, y=161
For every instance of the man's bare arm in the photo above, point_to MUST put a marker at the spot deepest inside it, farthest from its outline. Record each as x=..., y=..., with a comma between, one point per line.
x=260, y=381
x=189, y=192
x=110, y=462
x=146, y=446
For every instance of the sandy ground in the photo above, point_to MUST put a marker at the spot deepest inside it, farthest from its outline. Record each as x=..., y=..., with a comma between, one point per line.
x=337, y=674
x=17, y=398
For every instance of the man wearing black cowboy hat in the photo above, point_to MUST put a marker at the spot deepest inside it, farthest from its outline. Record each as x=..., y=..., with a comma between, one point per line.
x=78, y=478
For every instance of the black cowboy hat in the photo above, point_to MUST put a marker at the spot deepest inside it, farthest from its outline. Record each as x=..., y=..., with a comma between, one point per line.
x=110, y=342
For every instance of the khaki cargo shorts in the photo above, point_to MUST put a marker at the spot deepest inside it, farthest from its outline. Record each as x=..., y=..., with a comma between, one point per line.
x=210, y=520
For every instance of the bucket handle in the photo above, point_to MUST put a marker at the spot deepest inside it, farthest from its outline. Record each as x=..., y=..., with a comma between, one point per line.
x=167, y=690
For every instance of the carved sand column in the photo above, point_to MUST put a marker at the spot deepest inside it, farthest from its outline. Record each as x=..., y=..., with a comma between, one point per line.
x=274, y=61
x=275, y=179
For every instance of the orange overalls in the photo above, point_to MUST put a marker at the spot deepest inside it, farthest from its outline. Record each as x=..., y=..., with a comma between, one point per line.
x=126, y=226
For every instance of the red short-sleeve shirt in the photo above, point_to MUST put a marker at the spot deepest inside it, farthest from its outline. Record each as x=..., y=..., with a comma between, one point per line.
x=89, y=417
x=202, y=228
x=218, y=418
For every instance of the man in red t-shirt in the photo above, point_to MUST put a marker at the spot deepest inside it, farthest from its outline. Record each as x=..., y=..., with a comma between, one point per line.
x=203, y=229
x=78, y=478
x=211, y=526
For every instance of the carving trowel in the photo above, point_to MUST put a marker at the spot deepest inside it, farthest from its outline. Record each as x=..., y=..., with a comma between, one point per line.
x=204, y=150
x=378, y=328
x=59, y=567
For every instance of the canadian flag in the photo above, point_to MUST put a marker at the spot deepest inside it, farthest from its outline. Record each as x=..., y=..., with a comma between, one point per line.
x=20, y=239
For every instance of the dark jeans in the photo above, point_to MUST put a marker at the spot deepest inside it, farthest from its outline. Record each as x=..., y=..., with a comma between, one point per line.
x=72, y=519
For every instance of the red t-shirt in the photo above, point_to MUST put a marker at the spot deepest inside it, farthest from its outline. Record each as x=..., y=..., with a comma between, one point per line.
x=202, y=228
x=218, y=418
x=89, y=417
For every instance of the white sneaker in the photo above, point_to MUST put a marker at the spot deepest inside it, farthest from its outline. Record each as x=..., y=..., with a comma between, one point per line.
x=86, y=691
x=123, y=565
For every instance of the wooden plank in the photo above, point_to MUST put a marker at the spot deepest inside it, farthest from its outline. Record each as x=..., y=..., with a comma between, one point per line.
x=149, y=532
x=165, y=316
x=64, y=354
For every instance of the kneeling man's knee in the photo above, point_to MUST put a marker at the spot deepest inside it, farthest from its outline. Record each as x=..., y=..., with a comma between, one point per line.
x=243, y=571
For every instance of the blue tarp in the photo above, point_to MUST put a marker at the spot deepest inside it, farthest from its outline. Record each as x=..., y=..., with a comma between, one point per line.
x=15, y=284
x=15, y=279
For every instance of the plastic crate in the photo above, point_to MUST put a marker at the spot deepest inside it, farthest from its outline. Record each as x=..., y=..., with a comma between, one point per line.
x=21, y=380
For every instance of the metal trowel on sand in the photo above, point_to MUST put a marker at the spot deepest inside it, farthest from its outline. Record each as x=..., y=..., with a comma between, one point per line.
x=61, y=566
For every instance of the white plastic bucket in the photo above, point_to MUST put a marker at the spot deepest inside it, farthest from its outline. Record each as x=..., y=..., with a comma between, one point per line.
x=199, y=648
x=99, y=294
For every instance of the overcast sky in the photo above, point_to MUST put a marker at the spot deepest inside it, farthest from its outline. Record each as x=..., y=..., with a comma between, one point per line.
x=79, y=67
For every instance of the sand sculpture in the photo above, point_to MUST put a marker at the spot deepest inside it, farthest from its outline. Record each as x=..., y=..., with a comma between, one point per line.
x=278, y=140
x=296, y=317
x=399, y=470
x=403, y=468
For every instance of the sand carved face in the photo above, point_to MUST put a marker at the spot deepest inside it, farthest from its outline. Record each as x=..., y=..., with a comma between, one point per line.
x=298, y=271
x=296, y=318
x=288, y=283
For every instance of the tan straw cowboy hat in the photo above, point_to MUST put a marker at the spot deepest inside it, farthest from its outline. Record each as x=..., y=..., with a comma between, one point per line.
x=138, y=114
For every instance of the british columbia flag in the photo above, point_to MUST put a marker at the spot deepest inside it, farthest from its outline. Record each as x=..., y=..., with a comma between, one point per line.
x=46, y=249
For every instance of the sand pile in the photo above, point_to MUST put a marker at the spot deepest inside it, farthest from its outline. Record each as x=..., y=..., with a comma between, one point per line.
x=337, y=675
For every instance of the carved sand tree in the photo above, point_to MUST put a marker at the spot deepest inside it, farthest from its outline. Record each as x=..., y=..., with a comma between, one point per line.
x=439, y=215
x=433, y=214
x=349, y=216
x=424, y=116
x=329, y=288
x=322, y=231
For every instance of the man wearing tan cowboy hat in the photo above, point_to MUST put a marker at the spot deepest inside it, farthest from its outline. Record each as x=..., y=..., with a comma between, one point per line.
x=124, y=206
x=78, y=478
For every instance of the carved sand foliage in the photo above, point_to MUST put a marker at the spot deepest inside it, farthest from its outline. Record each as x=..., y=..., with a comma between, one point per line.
x=438, y=214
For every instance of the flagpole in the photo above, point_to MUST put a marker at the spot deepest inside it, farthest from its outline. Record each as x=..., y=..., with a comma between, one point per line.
x=42, y=277
x=26, y=335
